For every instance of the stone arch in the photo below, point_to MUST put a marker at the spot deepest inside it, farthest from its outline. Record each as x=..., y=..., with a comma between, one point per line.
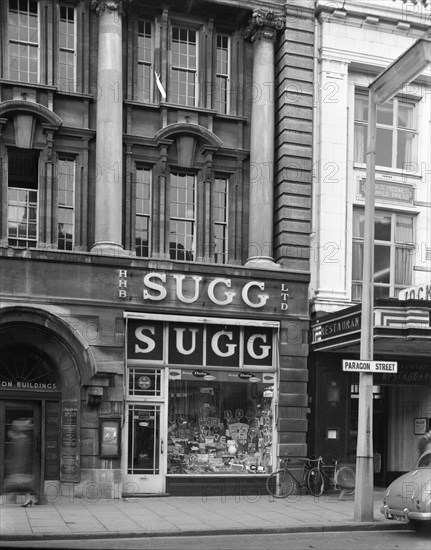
x=205, y=135
x=45, y=115
x=21, y=325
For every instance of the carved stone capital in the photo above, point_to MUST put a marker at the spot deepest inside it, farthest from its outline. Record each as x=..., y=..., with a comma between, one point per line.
x=264, y=24
x=113, y=5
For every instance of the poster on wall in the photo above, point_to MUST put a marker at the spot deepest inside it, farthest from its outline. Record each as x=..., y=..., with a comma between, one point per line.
x=69, y=464
x=420, y=426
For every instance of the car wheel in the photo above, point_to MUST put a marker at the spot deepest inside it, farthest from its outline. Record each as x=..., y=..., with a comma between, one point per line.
x=421, y=526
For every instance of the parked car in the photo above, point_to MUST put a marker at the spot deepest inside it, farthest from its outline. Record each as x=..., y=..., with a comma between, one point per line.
x=408, y=498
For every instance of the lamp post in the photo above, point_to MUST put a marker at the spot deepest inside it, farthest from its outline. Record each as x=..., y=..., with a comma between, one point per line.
x=383, y=88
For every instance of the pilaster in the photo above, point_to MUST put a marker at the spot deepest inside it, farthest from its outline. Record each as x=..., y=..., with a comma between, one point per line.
x=262, y=31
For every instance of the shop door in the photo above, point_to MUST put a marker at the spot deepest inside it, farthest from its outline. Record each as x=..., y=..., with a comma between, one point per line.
x=24, y=417
x=145, y=449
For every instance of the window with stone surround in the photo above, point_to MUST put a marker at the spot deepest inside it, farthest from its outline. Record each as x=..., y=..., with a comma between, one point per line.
x=145, y=61
x=23, y=38
x=183, y=84
x=182, y=244
x=67, y=48
x=143, y=212
x=196, y=71
x=396, y=138
x=222, y=76
x=393, y=253
x=22, y=198
x=66, y=175
x=221, y=217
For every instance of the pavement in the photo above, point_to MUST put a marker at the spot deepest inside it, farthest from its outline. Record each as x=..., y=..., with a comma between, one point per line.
x=66, y=518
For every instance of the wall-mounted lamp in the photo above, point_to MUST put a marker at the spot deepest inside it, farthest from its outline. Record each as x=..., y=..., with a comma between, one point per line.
x=94, y=396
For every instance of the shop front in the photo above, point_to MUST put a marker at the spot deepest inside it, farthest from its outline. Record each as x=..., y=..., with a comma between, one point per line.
x=200, y=401
x=152, y=381
x=401, y=399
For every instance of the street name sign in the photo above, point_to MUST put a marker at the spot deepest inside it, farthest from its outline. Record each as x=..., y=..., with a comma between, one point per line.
x=369, y=366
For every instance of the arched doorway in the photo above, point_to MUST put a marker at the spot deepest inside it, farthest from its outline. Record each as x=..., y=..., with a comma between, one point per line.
x=43, y=366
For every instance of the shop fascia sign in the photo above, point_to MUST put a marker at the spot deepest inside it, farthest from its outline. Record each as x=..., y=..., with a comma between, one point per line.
x=158, y=286
x=196, y=344
x=419, y=292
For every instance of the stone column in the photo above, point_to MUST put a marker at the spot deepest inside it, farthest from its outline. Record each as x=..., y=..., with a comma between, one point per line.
x=262, y=31
x=109, y=127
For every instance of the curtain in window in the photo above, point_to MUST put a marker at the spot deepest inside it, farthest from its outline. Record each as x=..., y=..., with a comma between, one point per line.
x=360, y=143
x=403, y=266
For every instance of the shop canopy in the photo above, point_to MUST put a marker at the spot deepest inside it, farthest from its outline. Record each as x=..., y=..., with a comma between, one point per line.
x=402, y=328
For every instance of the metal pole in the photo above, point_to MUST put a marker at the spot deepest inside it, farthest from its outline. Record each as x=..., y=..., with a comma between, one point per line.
x=364, y=483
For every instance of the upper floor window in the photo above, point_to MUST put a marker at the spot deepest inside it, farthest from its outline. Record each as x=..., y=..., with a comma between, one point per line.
x=393, y=253
x=396, y=132
x=145, y=60
x=23, y=36
x=183, y=214
x=221, y=208
x=67, y=48
x=222, y=80
x=143, y=212
x=23, y=198
x=66, y=203
x=184, y=66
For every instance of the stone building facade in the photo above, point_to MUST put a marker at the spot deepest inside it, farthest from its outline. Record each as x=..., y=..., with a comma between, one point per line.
x=155, y=176
x=354, y=43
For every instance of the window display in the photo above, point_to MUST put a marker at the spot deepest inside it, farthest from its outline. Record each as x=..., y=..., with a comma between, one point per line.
x=220, y=422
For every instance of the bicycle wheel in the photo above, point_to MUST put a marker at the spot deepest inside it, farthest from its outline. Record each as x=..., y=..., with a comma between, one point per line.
x=345, y=479
x=280, y=484
x=315, y=482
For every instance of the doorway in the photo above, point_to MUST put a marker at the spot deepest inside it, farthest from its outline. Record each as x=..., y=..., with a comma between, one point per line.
x=145, y=454
x=11, y=414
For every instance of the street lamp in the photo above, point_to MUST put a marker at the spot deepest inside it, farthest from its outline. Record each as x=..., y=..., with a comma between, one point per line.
x=383, y=88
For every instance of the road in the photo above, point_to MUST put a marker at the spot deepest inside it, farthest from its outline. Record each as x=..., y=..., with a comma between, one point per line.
x=352, y=540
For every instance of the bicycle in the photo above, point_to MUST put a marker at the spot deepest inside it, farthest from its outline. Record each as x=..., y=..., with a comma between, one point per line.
x=342, y=478
x=282, y=482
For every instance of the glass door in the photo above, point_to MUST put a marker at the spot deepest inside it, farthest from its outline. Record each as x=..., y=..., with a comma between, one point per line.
x=20, y=444
x=145, y=453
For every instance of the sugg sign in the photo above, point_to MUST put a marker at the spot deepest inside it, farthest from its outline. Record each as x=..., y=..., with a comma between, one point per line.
x=199, y=344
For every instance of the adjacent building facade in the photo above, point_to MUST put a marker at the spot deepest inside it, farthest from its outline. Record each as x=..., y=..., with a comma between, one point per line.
x=155, y=177
x=354, y=43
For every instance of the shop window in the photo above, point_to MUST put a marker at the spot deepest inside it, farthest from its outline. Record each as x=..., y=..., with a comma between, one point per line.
x=143, y=212
x=23, y=198
x=66, y=203
x=23, y=35
x=221, y=210
x=396, y=132
x=393, y=253
x=145, y=60
x=184, y=66
x=183, y=217
x=222, y=80
x=67, y=48
x=218, y=424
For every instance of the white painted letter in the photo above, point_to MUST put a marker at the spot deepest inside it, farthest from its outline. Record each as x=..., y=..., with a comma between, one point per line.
x=150, y=344
x=180, y=293
x=180, y=340
x=154, y=286
x=263, y=297
x=265, y=349
x=229, y=295
x=215, y=344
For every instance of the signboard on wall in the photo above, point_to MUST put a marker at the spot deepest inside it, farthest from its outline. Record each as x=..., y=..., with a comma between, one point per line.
x=210, y=345
x=69, y=441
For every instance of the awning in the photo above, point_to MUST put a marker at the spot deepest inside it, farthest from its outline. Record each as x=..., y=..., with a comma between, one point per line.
x=401, y=328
